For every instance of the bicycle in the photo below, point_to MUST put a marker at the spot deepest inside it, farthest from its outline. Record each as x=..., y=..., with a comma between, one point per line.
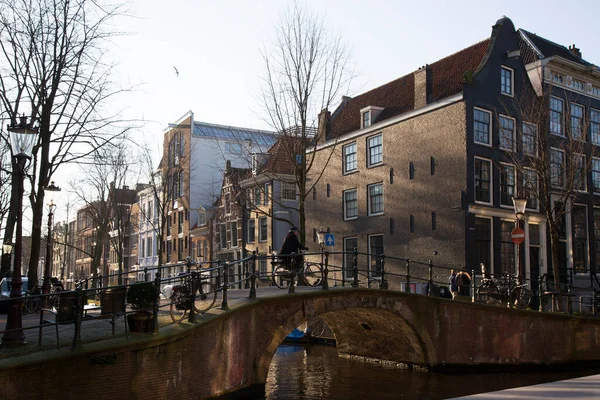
x=506, y=289
x=32, y=302
x=181, y=298
x=311, y=272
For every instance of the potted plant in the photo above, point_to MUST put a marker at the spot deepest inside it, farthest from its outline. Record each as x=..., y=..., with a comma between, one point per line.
x=141, y=297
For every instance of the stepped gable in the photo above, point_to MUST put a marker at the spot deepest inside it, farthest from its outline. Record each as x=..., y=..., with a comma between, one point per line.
x=397, y=97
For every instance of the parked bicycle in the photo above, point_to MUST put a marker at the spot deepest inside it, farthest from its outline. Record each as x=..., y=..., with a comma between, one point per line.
x=182, y=295
x=311, y=273
x=32, y=302
x=506, y=289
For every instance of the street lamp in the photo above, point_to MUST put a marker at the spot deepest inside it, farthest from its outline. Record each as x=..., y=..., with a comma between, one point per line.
x=519, y=204
x=51, y=190
x=22, y=137
x=321, y=237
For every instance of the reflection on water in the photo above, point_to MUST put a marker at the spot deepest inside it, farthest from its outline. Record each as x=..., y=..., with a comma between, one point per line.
x=316, y=372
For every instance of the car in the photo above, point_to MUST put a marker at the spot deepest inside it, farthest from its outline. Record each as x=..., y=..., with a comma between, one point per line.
x=5, y=288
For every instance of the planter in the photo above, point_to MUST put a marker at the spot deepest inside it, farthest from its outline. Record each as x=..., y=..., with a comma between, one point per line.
x=141, y=321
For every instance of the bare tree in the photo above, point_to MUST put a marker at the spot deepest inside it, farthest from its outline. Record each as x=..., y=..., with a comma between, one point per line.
x=553, y=158
x=52, y=68
x=306, y=69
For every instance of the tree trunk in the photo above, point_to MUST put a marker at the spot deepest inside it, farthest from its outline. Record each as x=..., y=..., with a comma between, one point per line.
x=10, y=221
x=555, y=243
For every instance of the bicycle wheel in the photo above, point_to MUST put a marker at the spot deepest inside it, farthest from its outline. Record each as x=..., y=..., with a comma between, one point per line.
x=520, y=297
x=32, y=305
x=313, y=274
x=487, y=293
x=177, y=309
x=205, y=297
x=281, y=277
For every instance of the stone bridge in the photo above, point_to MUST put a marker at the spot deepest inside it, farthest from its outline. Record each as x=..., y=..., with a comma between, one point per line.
x=230, y=352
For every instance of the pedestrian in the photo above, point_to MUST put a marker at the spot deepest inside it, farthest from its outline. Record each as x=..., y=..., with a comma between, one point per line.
x=291, y=244
x=463, y=281
x=453, y=286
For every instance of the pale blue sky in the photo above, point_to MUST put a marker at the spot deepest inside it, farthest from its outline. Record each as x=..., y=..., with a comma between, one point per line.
x=216, y=45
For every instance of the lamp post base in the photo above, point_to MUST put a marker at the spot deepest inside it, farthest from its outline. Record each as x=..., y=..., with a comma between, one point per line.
x=14, y=335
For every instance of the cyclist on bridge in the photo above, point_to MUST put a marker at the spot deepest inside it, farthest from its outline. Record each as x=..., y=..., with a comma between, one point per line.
x=291, y=244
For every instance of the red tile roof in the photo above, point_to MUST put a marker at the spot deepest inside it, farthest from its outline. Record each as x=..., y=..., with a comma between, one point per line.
x=282, y=155
x=397, y=97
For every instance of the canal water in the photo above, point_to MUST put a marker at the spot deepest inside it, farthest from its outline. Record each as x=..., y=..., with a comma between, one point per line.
x=316, y=372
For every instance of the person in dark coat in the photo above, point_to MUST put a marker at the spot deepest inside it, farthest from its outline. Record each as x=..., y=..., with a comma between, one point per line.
x=291, y=244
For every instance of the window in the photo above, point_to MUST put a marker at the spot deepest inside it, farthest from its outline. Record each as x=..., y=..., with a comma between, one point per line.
x=180, y=221
x=411, y=171
x=223, y=237
x=234, y=234
x=507, y=184
x=349, y=245
x=288, y=191
x=251, y=230
x=577, y=122
x=376, y=199
x=597, y=236
x=580, y=246
x=262, y=268
x=262, y=236
x=482, y=126
x=266, y=196
x=556, y=116
x=595, y=126
x=149, y=248
x=375, y=146
x=596, y=175
x=579, y=175
x=482, y=180
x=375, y=250
x=483, y=241
x=169, y=224
x=143, y=248
x=506, y=81
x=350, y=204
x=257, y=194
x=530, y=186
x=181, y=194
x=557, y=167
x=366, y=119
x=529, y=139
x=578, y=85
x=350, y=161
x=507, y=133
x=507, y=247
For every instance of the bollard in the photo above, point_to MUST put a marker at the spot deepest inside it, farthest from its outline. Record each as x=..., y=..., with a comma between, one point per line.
x=355, y=269
x=78, y=318
x=291, y=288
x=407, y=288
x=384, y=283
x=430, y=287
x=253, y=277
x=325, y=267
x=193, y=288
x=540, y=296
x=472, y=286
x=156, y=303
x=145, y=274
x=224, y=305
x=569, y=301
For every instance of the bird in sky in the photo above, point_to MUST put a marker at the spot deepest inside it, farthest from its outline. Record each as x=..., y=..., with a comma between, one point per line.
x=176, y=71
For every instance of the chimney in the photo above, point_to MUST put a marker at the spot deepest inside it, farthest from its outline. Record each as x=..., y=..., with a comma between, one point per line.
x=575, y=51
x=227, y=165
x=422, y=86
x=324, y=125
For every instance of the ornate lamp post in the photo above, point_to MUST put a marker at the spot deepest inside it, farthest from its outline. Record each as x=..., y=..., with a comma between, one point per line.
x=519, y=204
x=22, y=137
x=51, y=190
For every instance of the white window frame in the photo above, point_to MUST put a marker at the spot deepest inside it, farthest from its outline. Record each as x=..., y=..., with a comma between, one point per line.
x=512, y=81
x=535, y=138
x=253, y=230
x=500, y=128
x=562, y=116
x=346, y=217
x=564, y=161
x=582, y=132
x=260, y=239
x=370, y=213
x=596, y=124
x=491, y=181
x=595, y=160
x=344, y=158
x=537, y=184
x=514, y=186
x=489, y=142
x=582, y=157
x=286, y=189
x=365, y=122
x=369, y=147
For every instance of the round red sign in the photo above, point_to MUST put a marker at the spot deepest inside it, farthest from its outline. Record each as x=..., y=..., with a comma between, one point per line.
x=517, y=235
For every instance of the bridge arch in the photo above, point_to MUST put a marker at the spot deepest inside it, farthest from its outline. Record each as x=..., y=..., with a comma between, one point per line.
x=370, y=325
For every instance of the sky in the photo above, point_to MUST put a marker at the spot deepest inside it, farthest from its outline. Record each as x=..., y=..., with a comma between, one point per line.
x=216, y=48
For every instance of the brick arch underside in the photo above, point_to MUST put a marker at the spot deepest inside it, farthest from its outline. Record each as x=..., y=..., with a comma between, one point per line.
x=381, y=331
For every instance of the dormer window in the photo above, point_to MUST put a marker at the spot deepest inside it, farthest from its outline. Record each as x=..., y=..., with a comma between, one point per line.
x=366, y=119
x=368, y=115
